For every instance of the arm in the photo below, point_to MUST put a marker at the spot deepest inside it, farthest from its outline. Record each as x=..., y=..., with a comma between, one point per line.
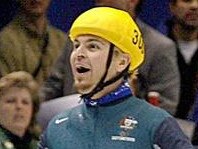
x=160, y=73
x=59, y=82
x=170, y=136
x=165, y=78
x=8, y=57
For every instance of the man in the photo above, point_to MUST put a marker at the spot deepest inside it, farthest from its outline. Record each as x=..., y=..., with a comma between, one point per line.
x=183, y=29
x=104, y=54
x=29, y=42
x=159, y=72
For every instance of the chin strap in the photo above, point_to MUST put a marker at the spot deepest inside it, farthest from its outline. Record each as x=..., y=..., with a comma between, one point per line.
x=101, y=84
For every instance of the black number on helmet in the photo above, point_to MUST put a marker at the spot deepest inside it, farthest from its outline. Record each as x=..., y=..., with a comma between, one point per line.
x=140, y=43
x=135, y=38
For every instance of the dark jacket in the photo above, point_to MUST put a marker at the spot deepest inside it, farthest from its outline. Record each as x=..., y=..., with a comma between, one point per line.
x=11, y=141
x=188, y=73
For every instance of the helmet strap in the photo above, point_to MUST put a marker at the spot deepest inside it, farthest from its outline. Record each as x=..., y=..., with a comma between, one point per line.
x=101, y=84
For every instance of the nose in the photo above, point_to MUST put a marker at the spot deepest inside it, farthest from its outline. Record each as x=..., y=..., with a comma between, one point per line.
x=19, y=105
x=80, y=52
x=194, y=4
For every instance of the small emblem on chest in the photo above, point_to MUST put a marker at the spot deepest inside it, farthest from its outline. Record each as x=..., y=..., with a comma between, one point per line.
x=126, y=124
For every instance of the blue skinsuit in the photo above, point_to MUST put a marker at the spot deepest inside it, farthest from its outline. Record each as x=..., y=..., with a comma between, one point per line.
x=102, y=127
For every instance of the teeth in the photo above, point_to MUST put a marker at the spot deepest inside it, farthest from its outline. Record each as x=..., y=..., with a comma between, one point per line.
x=82, y=69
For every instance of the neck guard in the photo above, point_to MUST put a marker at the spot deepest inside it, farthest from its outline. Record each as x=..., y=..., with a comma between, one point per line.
x=118, y=95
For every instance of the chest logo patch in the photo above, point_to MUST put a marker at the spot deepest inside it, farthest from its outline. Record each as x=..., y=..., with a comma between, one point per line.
x=58, y=121
x=126, y=124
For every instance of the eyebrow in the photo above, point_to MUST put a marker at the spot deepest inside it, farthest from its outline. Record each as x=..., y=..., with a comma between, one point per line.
x=97, y=40
x=92, y=40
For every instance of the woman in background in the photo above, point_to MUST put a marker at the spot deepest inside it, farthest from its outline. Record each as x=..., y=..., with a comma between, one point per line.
x=19, y=104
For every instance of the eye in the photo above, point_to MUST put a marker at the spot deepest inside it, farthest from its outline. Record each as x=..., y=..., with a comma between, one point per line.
x=26, y=101
x=10, y=100
x=76, y=45
x=93, y=46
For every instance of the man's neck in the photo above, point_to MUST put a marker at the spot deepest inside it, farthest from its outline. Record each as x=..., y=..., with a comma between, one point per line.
x=107, y=89
x=184, y=33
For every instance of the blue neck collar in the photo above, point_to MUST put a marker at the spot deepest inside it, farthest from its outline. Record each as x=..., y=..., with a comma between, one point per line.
x=118, y=95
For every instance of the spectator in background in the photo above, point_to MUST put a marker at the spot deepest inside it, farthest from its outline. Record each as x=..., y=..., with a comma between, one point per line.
x=110, y=117
x=60, y=80
x=159, y=72
x=29, y=42
x=19, y=104
x=184, y=31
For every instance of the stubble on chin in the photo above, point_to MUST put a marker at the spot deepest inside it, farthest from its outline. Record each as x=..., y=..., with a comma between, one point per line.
x=82, y=88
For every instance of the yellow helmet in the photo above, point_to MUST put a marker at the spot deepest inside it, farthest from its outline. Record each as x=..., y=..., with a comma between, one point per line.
x=116, y=26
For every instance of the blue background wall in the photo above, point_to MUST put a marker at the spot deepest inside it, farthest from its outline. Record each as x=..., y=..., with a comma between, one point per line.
x=156, y=13
x=63, y=12
x=7, y=10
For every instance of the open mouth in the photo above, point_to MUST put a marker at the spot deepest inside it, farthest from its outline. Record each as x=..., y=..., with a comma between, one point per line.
x=19, y=117
x=191, y=16
x=82, y=69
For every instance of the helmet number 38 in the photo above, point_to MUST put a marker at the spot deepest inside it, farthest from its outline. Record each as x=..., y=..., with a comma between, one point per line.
x=137, y=40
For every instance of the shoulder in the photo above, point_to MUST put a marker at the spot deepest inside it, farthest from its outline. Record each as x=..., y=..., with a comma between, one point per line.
x=10, y=36
x=57, y=126
x=57, y=37
x=170, y=134
x=56, y=32
x=149, y=117
x=62, y=126
x=63, y=119
x=9, y=30
x=5, y=143
x=146, y=111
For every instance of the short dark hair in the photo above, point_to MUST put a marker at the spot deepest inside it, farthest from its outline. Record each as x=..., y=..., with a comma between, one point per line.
x=139, y=6
x=172, y=1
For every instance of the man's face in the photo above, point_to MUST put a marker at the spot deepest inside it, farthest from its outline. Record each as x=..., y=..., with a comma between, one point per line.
x=88, y=61
x=35, y=7
x=16, y=109
x=185, y=12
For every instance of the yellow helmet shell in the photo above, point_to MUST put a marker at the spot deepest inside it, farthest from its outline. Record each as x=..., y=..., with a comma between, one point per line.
x=116, y=26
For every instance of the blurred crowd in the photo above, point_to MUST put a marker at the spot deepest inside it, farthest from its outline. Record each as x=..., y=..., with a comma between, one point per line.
x=36, y=76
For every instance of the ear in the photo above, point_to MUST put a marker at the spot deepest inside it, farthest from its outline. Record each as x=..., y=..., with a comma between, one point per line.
x=124, y=61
